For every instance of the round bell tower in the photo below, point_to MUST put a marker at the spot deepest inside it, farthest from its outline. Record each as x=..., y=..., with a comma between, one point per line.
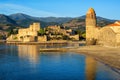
x=90, y=26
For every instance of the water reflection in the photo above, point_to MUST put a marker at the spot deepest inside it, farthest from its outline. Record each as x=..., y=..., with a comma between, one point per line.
x=90, y=68
x=32, y=51
x=28, y=51
x=25, y=62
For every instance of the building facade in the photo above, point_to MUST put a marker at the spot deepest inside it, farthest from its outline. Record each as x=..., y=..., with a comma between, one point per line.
x=108, y=35
x=28, y=34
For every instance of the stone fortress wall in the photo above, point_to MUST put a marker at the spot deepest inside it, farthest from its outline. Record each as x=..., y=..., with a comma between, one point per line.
x=32, y=30
x=28, y=34
x=31, y=34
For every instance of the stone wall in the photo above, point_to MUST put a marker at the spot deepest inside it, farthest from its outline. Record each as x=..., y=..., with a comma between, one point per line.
x=75, y=37
x=32, y=30
x=107, y=37
x=26, y=34
x=13, y=38
x=91, y=29
x=29, y=39
x=42, y=38
x=36, y=26
x=91, y=18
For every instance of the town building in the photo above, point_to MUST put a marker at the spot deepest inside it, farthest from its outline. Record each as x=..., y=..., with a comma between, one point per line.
x=28, y=34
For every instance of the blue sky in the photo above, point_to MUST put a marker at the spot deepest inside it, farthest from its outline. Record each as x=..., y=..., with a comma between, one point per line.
x=61, y=8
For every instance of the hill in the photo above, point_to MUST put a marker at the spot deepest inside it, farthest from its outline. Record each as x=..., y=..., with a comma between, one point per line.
x=21, y=16
x=23, y=20
x=6, y=22
x=79, y=22
x=19, y=20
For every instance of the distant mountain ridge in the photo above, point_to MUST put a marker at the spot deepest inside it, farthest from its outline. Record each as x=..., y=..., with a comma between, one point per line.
x=79, y=22
x=59, y=20
x=6, y=20
x=21, y=16
x=24, y=20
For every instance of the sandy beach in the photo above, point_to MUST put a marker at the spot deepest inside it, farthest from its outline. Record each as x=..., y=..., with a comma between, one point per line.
x=107, y=55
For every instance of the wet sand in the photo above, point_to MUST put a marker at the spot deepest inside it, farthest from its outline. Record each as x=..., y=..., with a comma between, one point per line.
x=107, y=55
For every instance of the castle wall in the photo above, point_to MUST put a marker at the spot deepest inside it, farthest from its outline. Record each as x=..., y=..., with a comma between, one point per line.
x=26, y=39
x=32, y=30
x=29, y=39
x=57, y=29
x=12, y=38
x=118, y=39
x=36, y=26
x=116, y=29
x=26, y=34
x=107, y=37
x=42, y=38
x=75, y=37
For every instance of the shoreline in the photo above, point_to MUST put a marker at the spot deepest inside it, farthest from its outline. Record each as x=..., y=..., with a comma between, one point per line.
x=44, y=43
x=2, y=41
x=37, y=43
x=106, y=55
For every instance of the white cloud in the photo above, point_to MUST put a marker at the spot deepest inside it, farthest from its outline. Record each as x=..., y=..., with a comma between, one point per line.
x=13, y=8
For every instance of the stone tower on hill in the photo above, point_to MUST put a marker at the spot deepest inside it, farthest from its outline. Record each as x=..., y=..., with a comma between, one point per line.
x=91, y=29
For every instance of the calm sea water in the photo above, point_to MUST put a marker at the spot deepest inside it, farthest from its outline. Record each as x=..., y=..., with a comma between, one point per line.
x=25, y=62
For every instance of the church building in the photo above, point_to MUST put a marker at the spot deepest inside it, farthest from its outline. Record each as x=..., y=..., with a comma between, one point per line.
x=108, y=35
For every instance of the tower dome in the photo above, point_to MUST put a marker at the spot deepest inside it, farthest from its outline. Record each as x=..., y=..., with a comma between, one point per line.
x=91, y=18
x=91, y=10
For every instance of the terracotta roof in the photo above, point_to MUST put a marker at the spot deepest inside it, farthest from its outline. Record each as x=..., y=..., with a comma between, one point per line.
x=117, y=23
x=113, y=25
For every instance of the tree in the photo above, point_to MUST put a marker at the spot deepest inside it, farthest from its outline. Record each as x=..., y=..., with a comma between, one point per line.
x=79, y=32
x=1, y=37
x=84, y=35
x=41, y=32
x=12, y=31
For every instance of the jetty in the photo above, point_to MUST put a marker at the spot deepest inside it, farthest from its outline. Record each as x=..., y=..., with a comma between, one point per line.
x=53, y=49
